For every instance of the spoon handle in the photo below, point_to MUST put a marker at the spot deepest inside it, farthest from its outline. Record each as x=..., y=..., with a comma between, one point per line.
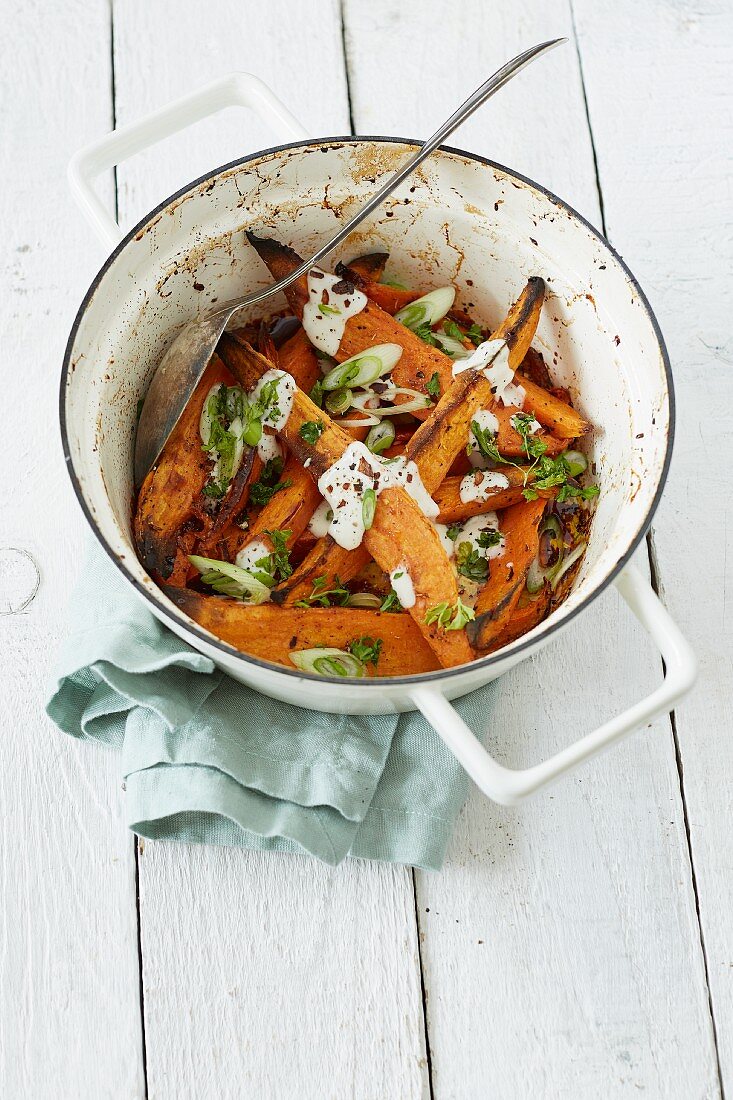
x=501, y=77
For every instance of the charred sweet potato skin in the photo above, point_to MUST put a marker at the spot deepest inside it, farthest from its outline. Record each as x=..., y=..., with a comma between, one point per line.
x=499, y=596
x=170, y=501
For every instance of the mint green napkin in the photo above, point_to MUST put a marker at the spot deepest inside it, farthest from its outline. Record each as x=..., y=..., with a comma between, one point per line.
x=207, y=760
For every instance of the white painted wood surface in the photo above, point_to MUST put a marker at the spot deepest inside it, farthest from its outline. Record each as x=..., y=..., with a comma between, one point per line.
x=69, y=990
x=565, y=981
x=560, y=948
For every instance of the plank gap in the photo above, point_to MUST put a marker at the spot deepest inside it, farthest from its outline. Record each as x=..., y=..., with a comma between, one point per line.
x=113, y=97
x=586, y=108
x=347, y=75
x=654, y=576
x=140, y=965
x=423, y=994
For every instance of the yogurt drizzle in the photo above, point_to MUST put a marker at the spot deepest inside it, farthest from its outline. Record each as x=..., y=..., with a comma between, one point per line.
x=492, y=359
x=479, y=485
x=276, y=415
x=344, y=483
x=331, y=301
x=404, y=589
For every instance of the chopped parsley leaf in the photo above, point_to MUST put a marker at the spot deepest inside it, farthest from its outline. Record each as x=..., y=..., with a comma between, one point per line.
x=433, y=386
x=263, y=490
x=425, y=333
x=321, y=596
x=365, y=649
x=450, y=618
x=311, y=431
x=391, y=602
x=470, y=563
x=492, y=537
x=316, y=394
x=454, y=531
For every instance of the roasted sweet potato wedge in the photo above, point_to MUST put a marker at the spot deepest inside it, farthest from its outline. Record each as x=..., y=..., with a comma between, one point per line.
x=272, y=633
x=369, y=267
x=499, y=596
x=524, y=618
x=439, y=439
x=326, y=559
x=169, y=505
x=399, y=534
x=290, y=509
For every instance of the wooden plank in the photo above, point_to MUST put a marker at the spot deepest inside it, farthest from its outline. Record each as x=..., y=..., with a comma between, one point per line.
x=666, y=186
x=69, y=986
x=263, y=973
x=560, y=945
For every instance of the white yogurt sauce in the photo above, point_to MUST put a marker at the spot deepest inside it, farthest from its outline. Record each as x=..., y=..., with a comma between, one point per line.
x=492, y=358
x=513, y=394
x=404, y=589
x=343, y=485
x=250, y=554
x=279, y=411
x=325, y=326
x=320, y=520
x=474, y=527
x=268, y=447
x=480, y=484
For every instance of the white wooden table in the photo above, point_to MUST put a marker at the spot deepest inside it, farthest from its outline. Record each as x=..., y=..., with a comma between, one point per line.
x=577, y=947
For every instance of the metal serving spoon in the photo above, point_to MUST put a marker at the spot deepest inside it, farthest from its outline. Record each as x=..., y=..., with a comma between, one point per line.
x=185, y=361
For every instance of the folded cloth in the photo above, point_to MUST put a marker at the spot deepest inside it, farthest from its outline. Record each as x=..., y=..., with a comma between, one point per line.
x=207, y=760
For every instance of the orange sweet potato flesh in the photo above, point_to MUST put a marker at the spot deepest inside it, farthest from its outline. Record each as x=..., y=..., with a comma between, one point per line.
x=400, y=533
x=325, y=559
x=453, y=510
x=561, y=419
x=272, y=633
x=499, y=596
x=439, y=439
x=369, y=267
x=289, y=509
x=169, y=505
x=372, y=326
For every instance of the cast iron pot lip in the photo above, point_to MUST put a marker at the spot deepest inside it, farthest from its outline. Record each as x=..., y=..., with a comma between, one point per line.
x=420, y=678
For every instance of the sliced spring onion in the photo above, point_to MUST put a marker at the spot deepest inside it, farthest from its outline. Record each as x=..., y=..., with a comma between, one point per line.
x=362, y=402
x=453, y=348
x=552, y=545
x=367, y=421
x=367, y=600
x=368, y=508
x=206, y=417
x=339, y=401
x=366, y=367
x=535, y=577
x=380, y=437
x=230, y=580
x=569, y=561
x=429, y=309
x=328, y=662
x=252, y=432
x=577, y=462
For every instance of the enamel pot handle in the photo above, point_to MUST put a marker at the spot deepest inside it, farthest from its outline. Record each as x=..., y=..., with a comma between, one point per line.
x=236, y=89
x=510, y=786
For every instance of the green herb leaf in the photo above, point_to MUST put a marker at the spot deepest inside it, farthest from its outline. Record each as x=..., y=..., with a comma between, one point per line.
x=263, y=490
x=470, y=563
x=475, y=334
x=454, y=531
x=366, y=649
x=523, y=424
x=321, y=596
x=486, y=443
x=426, y=334
x=492, y=537
x=391, y=602
x=450, y=618
x=433, y=386
x=311, y=431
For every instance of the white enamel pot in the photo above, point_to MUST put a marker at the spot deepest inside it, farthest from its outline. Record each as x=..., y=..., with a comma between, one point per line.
x=461, y=218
